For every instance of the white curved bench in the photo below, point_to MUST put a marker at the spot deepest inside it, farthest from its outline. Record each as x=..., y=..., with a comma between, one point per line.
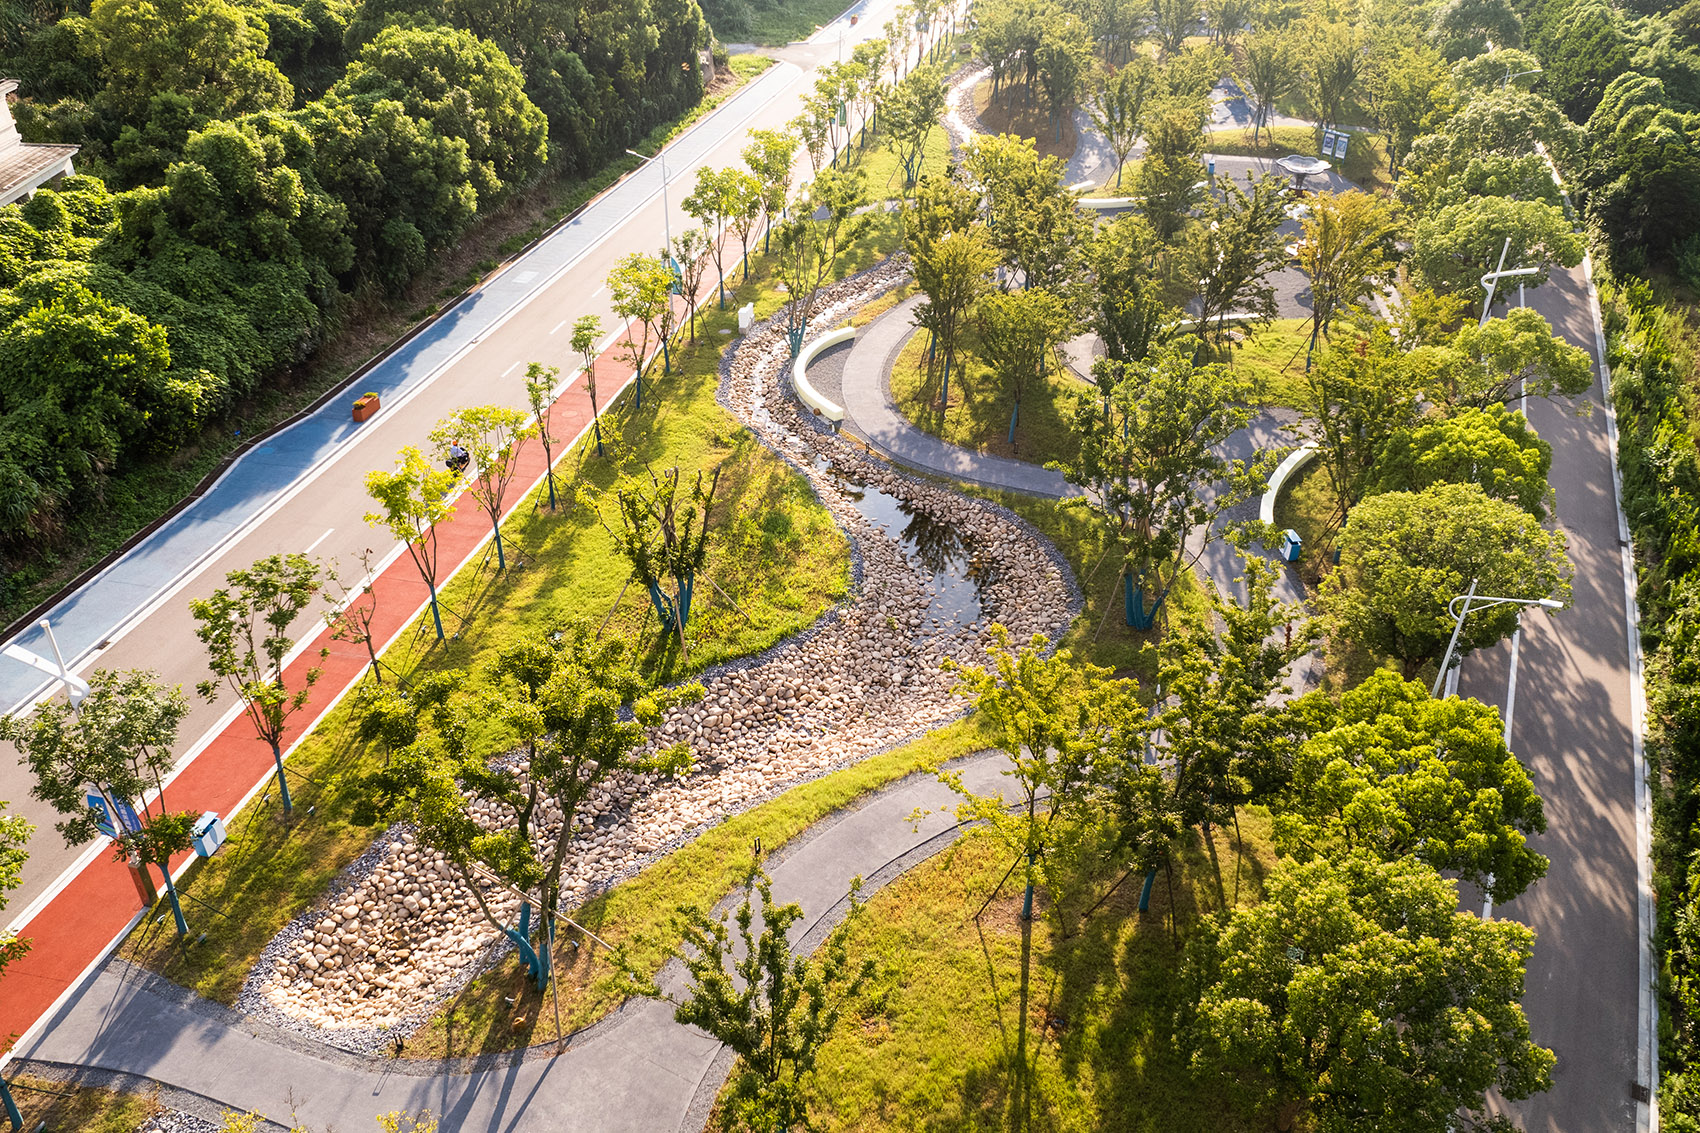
x=1296, y=460
x=807, y=393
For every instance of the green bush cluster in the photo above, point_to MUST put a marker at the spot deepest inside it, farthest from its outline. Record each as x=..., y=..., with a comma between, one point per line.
x=252, y=165
x=1653, y=359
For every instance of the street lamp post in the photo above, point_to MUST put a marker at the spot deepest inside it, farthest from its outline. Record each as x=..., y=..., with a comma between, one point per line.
x=1491, y=280
x=666, y=221
x=1473, y=601
x=1509, y=76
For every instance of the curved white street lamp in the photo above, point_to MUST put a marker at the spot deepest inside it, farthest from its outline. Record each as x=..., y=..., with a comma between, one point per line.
x=666, y=220
x=1473, y=601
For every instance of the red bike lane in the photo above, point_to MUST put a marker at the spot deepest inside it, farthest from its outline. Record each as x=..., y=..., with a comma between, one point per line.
x=91, y=912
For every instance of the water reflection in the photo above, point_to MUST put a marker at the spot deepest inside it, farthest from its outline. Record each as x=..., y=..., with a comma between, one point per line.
x=939, y=549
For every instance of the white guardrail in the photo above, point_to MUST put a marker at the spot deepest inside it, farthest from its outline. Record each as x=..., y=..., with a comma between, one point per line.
x=807, y=393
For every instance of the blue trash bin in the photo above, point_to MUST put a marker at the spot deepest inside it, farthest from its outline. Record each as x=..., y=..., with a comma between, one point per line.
x=1291, y=546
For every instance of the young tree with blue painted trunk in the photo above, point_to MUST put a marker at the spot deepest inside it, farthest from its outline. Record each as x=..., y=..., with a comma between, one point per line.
x=1119, y=102
x=414, y=499
x=117, y=745
x=540, y=395
x=579, y=712
x=769, y=156
x=1019, y=335
x=952, y=261
x=665, y=538
x=713, y=203
x=824, y=222
x=492, y=435
x=15, y=833
x=245, y=627
x=1051, y=715
x=744, y=195
x=775, y=1009
x=642, y=291
x=911, y=110
x=587, y=332
x=1151, y=464
x=690, y=260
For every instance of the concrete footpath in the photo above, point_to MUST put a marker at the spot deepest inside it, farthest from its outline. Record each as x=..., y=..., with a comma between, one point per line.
x=637, y=1070
x=871, y=415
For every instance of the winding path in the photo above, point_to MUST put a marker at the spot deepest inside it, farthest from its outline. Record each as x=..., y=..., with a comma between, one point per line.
x=636, y=1070
x=871, y=414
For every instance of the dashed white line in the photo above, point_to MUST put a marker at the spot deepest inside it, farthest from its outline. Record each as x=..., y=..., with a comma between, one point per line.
x=559, y=325
x=510, y=369
x=317, y=541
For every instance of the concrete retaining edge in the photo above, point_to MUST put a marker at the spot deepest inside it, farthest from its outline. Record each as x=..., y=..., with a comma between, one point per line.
x=1296, y=460
x=807, y=393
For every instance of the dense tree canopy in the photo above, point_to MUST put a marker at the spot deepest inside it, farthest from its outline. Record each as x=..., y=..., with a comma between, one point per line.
x=1357, y=993
x=1492, y=448
x=1387, y=771
x=1405, y=555
x=256, y=163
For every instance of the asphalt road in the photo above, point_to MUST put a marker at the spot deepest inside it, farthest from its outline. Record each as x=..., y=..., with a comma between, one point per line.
x=1572, y=727
x=323, y=512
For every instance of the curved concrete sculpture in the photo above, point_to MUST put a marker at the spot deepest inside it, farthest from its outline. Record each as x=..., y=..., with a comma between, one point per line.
x=1296, y=460
x=807, y=393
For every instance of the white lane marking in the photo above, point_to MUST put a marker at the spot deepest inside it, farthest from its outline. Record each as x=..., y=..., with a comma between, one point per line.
x=559, y=325
x=314, y=544
x=510, y=369
x=599, y=291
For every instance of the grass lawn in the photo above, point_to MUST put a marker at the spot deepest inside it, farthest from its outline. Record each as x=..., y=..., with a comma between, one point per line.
x=1365, y=166
x=932, y=1050
x=57, y=1107
x=1099, y=633
x=883, y=172
x=1306, y=504
x=1274, y=357
x=1021, y=110
x=776, y=552
x=1109, y=189
x=978, y=414
x=748, y=65
x=501, y=1010
x=790, y=20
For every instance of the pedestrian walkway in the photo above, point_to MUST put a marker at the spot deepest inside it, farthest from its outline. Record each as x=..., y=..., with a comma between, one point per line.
x=638, y=1070
x=872, y=415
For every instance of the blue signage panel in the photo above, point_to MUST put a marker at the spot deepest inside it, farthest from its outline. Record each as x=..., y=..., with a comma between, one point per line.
x=104, y=822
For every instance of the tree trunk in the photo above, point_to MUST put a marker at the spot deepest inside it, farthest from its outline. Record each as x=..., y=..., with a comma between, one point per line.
x=1023, y=1092
x=176, y=907
x=277, y=750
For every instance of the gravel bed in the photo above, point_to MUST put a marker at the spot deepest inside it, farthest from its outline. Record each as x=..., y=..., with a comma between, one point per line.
x=400, y=932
